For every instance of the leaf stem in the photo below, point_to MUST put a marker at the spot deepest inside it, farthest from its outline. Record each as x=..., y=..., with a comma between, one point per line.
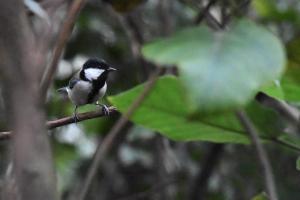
x=261, y=154
x=106, y=145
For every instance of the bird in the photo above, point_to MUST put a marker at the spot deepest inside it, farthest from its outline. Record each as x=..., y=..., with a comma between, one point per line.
x=89, y=85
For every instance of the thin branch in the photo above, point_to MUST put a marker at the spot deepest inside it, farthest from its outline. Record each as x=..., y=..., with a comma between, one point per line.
x=199, y=186
x=60, y=44
x=285, y=144
x=261, y=154
x=239, y=8
x=205, y=11
x=65, y=121
x=81, y=117
x=146, y=194
x=291, y=114
x=107, y=143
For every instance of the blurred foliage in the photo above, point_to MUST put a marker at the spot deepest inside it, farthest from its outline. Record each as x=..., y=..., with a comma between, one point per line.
x=124, y=5
x=218, y=71
x=208, y=62
x=261, y=196
x=269, y=10
x=172, y=119
x=298, y=164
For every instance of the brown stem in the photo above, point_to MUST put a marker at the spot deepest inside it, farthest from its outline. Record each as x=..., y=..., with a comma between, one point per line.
x=107, y=143
x=205, y=11
x=199, y=186
x=64, y=34
x=65, y=121
x=291, y=114
x=261, y=154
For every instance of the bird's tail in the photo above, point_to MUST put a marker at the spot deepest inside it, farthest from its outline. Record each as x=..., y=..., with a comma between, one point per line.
x=62, y=91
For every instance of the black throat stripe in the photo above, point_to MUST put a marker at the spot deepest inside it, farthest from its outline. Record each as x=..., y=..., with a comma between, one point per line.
x=97, y=85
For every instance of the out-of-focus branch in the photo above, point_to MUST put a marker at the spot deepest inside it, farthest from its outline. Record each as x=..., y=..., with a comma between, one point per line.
x=146, y=194
x=63, y=37
x=51, y=5
x=32, y=176
x=199, y=185
x=291, y=114
x=108, y=141
x=240, y=8
x=204, y=11
x=65, y=121
x=261, y=154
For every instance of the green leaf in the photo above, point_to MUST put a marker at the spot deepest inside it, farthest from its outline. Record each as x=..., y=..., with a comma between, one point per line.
x=265, y=8
x=266, y=120
x=269, y=10
x=274, y=90
x=291, y=81
x=221, y=70
x=165, y=111
x=261, y=196
x=288, y=140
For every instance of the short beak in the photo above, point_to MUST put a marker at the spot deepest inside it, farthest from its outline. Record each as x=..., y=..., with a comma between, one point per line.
x=110, y=69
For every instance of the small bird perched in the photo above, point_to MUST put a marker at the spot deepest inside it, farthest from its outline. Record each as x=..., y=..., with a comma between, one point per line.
x=89, y=85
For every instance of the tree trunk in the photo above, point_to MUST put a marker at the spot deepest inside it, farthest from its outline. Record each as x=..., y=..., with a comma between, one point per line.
x=33, y=176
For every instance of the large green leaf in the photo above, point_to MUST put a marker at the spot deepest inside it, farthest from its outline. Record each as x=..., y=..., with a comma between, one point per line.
x=290, y=82
x=165, y=111
x=221, y=70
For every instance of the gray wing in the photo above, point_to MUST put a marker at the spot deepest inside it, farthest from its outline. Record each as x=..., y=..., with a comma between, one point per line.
x=73, y=81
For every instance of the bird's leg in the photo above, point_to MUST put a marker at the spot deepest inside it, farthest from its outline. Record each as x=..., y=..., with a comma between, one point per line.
x=105, y=109
x=75, y=115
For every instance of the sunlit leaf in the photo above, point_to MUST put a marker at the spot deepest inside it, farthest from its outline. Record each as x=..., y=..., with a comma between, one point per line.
x=273, y=89
x=221, y=70
x=165, y=111
x=291, y=82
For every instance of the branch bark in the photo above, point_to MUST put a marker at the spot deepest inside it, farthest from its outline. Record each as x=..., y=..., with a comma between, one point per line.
x=261, y=154
x=291, y=114
x=63, y=37
x=205, y=11
x=65, y=121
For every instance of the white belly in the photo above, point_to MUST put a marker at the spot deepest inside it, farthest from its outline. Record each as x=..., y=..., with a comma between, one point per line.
x=79, y=94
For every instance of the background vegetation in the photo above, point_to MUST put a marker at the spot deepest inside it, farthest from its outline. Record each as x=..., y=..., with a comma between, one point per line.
x=211, y=89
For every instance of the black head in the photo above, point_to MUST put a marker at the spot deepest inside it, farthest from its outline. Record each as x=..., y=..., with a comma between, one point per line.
x=95, y=63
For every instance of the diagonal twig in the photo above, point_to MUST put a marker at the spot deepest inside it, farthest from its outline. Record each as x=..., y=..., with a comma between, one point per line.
x=261, y=154
x=64, y=34
x=106, y=145
x=205, y=11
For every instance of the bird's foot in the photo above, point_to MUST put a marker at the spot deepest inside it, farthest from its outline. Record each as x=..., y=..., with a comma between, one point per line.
x=75, y=118
x=105, y=110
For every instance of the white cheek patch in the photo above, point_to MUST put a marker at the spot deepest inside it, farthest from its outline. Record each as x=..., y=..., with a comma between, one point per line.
x=93, y=73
